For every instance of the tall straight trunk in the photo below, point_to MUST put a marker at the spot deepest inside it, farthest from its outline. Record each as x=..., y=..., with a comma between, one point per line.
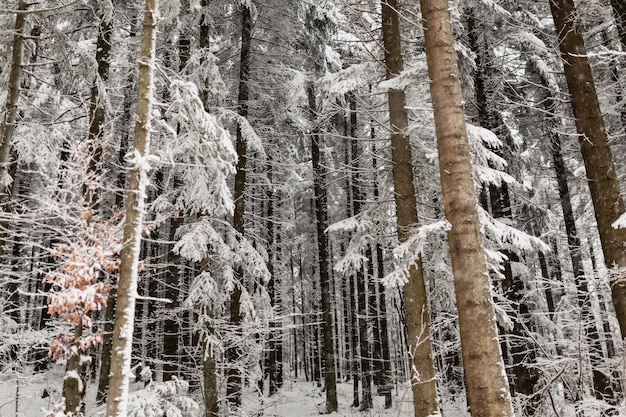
x=487, y=387
x=129, y=263
x=601, y=383
x=234, y=380
x=330, y=378
x=171, y=324
x=9, y=114
x=364, y=361
x=521, y=350
x=97, y=111
x=414, y=292
x=619, y=14
x=602, y=178
x=384, y=379
x=275, y=336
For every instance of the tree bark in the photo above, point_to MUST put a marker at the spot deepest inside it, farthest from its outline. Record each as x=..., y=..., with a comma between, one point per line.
x=10, y=107
x=330, y=380
x=525, y=377
x=602, y=178
x=364, y=361
x=233, y=353
x=487, y=386
x=414, y=291
x=129, y=264
x=602, y=387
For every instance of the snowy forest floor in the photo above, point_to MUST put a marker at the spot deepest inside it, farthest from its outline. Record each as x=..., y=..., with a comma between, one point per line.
x=33, y=395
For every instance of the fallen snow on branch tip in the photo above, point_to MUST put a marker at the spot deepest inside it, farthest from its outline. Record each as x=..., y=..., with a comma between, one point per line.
x=620, y=223
x=409, y=251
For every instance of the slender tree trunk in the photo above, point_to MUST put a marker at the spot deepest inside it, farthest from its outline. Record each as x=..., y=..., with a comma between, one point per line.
x=487, y=386
x=129, y=266
x=234, y=380
x=9, y=114
x=362, y=325
x=97, y=111
x=414, y=293
x=330, y=380
x=601, y=382
x=619, y=13
x=602, y=178
x=521, y=350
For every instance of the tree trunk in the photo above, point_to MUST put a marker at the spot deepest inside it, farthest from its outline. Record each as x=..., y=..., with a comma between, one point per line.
x=234, y=380
x=129, y=266
x=330, y=382
x=72, y=384
x=521, y=349
x=10, y=107
x=97, y=111
x=601, y=383
x=619, y=13
x=414, y=293
x=602, y=178
x=487, y=387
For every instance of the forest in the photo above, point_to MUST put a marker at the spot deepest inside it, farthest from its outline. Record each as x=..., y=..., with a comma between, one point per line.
x=300, y=207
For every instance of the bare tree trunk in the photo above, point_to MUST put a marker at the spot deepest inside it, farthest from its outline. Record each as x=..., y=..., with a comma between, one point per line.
x=129, y=266
x=330, y=378
x=487, y=386
x=602, y=178
x=415, y=298
x=234, y=380
x=10, y=107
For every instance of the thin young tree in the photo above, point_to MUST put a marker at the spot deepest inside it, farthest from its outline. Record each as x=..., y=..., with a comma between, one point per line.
x=487, y=387
x=129, y=262
x=319, y=184
x=414, y=291
x=234, y=380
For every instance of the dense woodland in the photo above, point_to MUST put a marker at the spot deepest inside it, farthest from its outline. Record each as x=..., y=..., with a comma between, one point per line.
x=215, y=197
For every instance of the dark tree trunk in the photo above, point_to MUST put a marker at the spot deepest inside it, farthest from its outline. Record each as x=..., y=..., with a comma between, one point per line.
x=602, y=178
x=234, y=381
x=601, y=383
x=414, y=293
x=521, y=351
x=319, y=185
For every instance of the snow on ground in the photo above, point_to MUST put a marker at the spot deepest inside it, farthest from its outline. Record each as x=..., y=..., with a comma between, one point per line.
x=34, y=394
x=30, y=395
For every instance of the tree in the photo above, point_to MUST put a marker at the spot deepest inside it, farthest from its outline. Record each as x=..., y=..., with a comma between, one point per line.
x=414, y=291
x=234, y=380
x=487, y=387
x=602, y=178
x=330, y=383
x=133, y=227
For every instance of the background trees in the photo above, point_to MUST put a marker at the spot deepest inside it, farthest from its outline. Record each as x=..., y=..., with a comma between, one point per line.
x=270, y=120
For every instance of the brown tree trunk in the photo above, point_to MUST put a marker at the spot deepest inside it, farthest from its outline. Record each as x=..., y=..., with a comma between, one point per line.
x=129, y=266
x=487, y=387
x=602, y=178
x=414, y=292
x=330, y=379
